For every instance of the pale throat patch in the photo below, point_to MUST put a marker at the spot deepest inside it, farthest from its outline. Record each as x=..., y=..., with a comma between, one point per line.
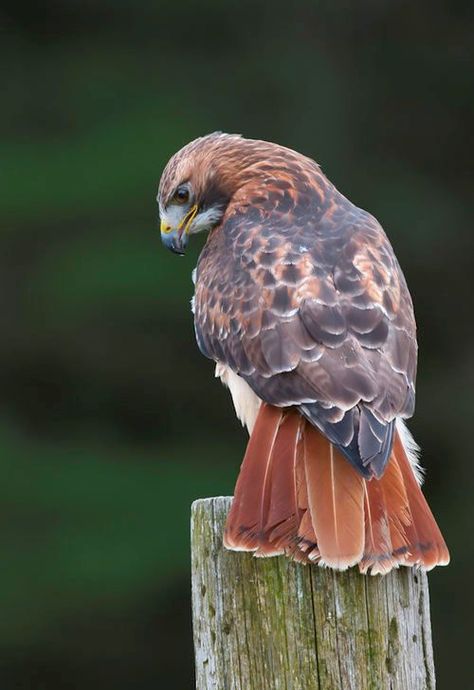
x=204, y=220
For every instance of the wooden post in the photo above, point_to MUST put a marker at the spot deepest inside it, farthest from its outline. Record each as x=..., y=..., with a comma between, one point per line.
x=271, y=624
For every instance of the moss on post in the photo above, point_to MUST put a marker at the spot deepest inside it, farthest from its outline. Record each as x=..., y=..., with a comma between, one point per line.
x=271, y=624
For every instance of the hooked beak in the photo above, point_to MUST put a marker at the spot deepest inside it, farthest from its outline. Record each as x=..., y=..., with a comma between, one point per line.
x=176, y=238
x=173, y=238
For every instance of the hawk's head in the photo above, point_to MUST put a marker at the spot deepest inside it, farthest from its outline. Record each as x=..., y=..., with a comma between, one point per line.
x=196, y=187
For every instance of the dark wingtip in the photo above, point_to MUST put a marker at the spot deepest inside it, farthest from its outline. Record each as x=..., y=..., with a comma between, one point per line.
x=363, y=440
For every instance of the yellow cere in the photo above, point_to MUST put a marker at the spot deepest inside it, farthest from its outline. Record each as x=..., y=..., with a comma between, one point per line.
x=165, y=229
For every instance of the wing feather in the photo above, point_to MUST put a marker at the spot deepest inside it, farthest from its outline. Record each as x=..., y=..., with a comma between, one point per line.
x=307, y=302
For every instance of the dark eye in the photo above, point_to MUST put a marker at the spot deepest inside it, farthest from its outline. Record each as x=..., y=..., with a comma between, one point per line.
x=181, y=195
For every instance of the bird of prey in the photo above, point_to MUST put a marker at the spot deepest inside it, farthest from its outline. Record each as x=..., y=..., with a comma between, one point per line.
x=301, y=303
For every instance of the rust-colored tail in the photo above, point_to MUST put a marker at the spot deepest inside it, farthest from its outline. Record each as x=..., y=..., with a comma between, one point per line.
x=297, y=495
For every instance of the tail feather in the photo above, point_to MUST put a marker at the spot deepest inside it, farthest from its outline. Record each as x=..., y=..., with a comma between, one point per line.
x=283, y=517
x=251, y=500
x=377, y=532
x=387, y=518
x=307, y=541
x=336, y=502
x=296, y=494
x=430, y=546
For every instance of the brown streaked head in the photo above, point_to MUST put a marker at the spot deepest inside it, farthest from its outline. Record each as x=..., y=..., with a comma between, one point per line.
x=194, y=190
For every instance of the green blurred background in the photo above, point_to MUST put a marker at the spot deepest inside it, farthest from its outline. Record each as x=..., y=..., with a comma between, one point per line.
x=110, y=421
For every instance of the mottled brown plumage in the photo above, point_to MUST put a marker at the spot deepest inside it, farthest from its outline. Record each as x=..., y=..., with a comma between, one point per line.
x=300, y=294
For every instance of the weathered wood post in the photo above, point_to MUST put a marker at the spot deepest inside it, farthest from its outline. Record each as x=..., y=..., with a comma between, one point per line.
x=270, y=624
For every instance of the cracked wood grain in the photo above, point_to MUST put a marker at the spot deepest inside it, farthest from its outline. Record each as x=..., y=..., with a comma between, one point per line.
x=271, y=624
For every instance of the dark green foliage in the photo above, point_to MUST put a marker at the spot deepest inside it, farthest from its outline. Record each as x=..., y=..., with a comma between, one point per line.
x=110, y=420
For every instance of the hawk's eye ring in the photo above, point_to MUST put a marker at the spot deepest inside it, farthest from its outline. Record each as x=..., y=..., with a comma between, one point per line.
x=181, y=195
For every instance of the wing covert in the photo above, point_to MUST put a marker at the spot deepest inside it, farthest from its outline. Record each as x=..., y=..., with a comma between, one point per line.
x=309, y=305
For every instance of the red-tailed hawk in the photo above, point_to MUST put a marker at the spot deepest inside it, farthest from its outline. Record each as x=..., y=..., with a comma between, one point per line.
x=301, y=302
